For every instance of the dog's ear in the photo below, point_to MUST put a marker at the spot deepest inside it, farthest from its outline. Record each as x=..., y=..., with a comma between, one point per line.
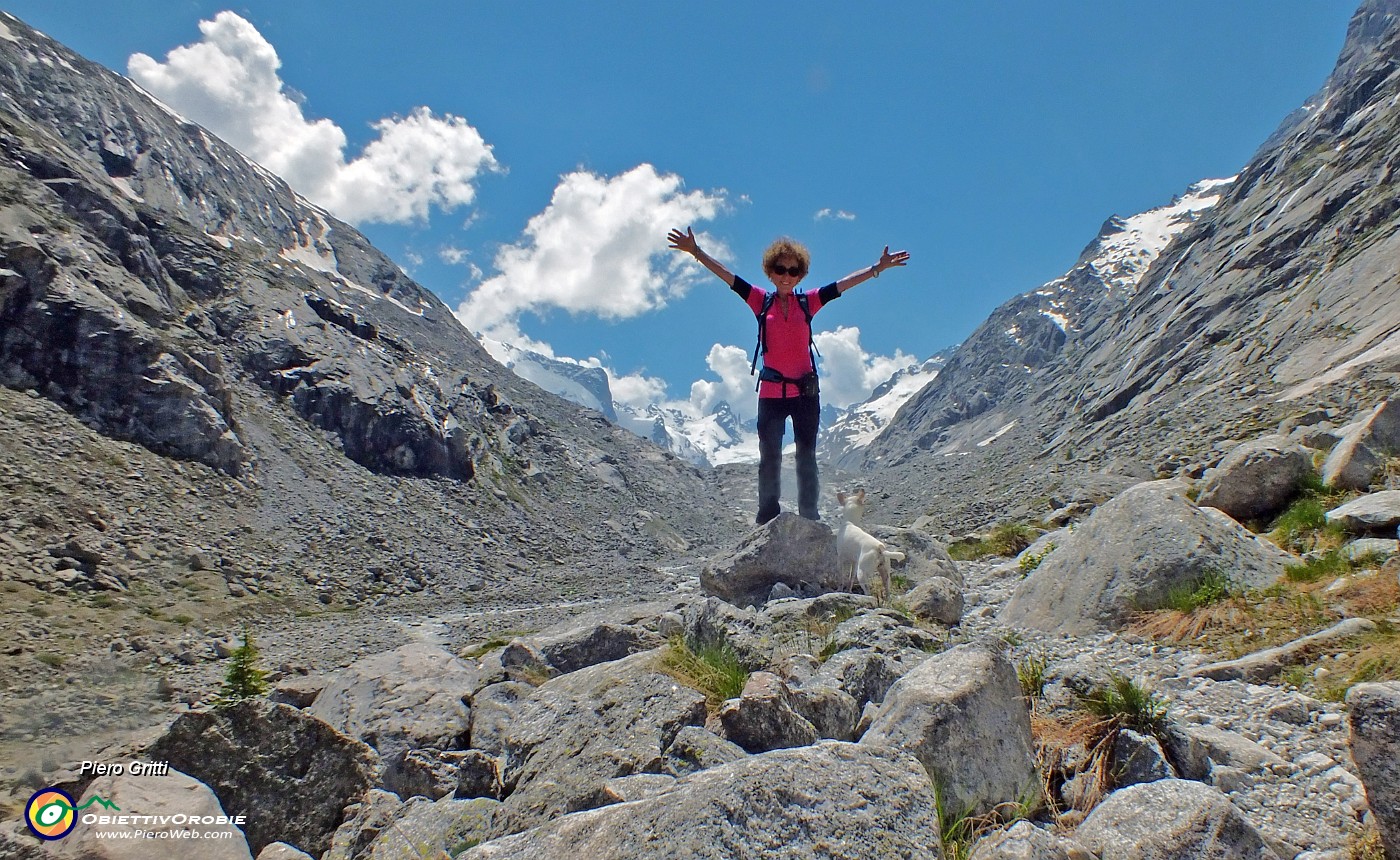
x=860, y=494
x=840, y=498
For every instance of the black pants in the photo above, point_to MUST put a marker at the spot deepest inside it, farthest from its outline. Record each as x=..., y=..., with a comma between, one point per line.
x=773, y=413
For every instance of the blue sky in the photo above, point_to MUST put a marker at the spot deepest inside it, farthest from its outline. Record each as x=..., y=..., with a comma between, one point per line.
x=550, y=145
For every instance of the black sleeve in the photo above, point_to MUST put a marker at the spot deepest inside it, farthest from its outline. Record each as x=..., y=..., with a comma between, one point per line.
x=829, y=293
x=742, y=287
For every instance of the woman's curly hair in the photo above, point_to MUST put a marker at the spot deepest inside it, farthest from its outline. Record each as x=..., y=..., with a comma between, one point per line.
x=785, y=246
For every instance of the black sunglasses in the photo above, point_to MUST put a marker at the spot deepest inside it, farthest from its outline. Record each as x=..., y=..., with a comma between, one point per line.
x=795, y=271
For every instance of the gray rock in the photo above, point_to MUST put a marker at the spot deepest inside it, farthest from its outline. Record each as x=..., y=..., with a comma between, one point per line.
x=283, y=851
x=288, y=772
x=695, y=749
x=763, y=717
x=400, y=700
x=1373, y=720
x=1364, y=548
x=961, y=714
x=1352, y=465
x=492, y=709
x=1199, y=749
x=581, y=647
x=580, y=729
x=1129, y=554
x=936, y=599
x=1355, y=462
x=831, y=710
x=430, y=773
x=479, y=775
x=1375, y=512
x=1025, y=841
x=884, y=630
x=1257, y=479
x=363, y=822
x=154, y=795
x=299, y=691
x=798, y=552
x=1139, y=758
x=424, y=828
x=1171, y=819
x=831, y=799
x=867, y=674
x=625, y=789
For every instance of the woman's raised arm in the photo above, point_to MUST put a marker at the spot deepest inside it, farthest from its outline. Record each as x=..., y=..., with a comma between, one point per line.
x=887, y=261
x=685, y=242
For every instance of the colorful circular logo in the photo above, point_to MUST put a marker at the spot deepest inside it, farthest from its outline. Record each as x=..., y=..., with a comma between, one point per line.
x=50, y=813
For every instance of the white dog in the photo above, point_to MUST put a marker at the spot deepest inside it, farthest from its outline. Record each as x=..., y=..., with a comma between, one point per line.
x=860, y=555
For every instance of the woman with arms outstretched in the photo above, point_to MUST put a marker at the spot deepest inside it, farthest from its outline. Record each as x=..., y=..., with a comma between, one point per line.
x=787, y=387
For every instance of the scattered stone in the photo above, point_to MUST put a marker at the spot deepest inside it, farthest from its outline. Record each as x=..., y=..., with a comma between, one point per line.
x=1171, y=818
x=936, y=599
x=1376, y=512
x=961, y=714
x=1257, y=479
x=763, y=717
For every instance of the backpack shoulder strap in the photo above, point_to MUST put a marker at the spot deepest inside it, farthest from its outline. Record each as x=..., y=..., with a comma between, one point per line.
x=762, y=346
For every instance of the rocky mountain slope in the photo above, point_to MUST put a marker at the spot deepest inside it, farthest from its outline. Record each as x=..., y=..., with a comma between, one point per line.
x=1278, y=300
x=219, y=402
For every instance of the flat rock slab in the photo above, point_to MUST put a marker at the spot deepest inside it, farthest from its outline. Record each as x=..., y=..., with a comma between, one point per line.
x=1171, y=819
x=1371, y=513
x=834, y=800
x=1263, y=665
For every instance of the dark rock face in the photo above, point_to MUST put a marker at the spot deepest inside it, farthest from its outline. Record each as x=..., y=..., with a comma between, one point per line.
x=290, y=773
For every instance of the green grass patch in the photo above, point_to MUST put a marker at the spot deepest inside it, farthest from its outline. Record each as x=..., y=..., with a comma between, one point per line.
x=1006, y=540
x=1128, y=704
x=48, y=658
x=1031, y=561
x=1332, y=563
x=1031, y=673
x=1213, y=587
x=713, y=668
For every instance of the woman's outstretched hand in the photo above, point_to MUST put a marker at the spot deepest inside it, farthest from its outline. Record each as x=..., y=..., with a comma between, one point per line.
x=686, y=241
x=888, y=260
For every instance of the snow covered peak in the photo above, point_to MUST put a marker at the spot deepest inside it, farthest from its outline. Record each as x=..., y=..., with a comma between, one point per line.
x=1126, y=247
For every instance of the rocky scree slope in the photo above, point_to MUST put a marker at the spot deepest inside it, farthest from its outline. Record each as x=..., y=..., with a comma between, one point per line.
x=220, y=402
x=1280, y=299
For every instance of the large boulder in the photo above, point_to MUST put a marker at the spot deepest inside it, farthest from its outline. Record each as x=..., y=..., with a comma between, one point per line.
x=400, y=700
x=763, y=717
x=1374, y=721
x=423, y=828
x=1377, y=512
x=1366, y=444
x=578, y=647
x=962, y=715
x=868, y=673
x=828, y=800
x=1130, y=553
x=168, y=795
x=1257, y=479
x=288, y=772
x=797, y=552
x=694, y=749
x=578, y=730
x=1171, y=819
x=936, y=599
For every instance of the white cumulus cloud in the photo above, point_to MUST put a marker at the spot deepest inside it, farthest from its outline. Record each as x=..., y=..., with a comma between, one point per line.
x=735, y=386
x=849, y=373
x=838, y=214
x=229, y=83
x=599, y=248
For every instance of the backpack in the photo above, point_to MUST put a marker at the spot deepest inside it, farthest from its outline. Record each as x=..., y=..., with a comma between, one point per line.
x=762, y=345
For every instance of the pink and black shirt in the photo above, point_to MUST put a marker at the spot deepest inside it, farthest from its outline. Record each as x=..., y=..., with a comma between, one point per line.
x=787, y=333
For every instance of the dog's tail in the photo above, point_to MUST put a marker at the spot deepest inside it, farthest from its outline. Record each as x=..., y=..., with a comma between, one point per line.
x=892, y=554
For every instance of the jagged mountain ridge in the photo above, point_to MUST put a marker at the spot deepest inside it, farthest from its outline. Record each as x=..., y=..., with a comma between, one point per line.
x=1279, y=300
x=166, y=291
